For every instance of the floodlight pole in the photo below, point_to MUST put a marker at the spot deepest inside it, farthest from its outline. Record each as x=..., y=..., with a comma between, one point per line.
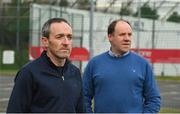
x=139, y=22
x=153, y=29
x=91, y=19
x=153, y=32
x=17, y=24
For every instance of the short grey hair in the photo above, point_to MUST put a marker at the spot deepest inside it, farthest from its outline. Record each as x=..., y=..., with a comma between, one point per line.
x=46, y=27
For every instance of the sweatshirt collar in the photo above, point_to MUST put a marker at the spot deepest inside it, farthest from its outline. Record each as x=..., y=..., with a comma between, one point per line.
x=117, y=56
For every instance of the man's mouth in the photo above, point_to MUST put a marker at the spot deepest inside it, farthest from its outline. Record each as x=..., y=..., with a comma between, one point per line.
x=126, y=44
x=64, y=49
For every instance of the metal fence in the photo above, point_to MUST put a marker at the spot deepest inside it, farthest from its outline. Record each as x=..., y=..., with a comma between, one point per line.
x=13, y=37
x=18, y=39
x=18, y=33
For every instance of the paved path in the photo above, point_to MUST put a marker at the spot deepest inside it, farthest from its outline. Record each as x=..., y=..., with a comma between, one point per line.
x=170, y=92
x=6, y=84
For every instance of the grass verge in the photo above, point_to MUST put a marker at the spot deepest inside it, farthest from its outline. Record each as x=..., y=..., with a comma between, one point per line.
x=168, y=78
x=169, y=110
x=8, y=72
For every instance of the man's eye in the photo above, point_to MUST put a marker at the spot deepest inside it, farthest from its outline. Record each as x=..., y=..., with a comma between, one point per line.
x=121, y=34
x=69, y=37
x=130, y=34
x=60, y=36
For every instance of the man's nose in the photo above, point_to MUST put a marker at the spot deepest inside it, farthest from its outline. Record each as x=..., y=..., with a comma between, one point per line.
x=66, y=40
x=127, y=37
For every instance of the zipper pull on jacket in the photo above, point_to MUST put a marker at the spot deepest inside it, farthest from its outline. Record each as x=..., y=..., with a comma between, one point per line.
x=62, y=77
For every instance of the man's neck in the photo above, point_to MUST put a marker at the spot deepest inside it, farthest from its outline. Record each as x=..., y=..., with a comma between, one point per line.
x=56, y=61
x=117, y=55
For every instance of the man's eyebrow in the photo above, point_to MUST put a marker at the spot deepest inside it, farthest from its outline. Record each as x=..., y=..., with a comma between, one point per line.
x=62, y=34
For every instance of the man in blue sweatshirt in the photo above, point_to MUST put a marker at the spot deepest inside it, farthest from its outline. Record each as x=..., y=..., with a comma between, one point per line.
x=49, y=84
x=119, y=80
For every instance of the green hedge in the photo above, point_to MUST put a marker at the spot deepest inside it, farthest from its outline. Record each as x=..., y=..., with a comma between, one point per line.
x=21, y=58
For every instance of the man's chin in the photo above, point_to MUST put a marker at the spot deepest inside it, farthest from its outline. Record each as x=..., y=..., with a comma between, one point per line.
x=64, y=56
x=126, y=50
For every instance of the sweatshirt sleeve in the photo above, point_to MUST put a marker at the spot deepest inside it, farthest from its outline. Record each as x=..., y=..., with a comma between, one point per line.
x=20, y=99
x=88, y=89
x=151, y=93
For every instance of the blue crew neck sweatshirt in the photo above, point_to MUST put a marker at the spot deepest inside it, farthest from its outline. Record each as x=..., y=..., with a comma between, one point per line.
x=120, y=85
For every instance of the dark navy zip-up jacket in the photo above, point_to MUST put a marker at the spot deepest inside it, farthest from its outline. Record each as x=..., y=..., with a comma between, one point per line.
x=40, y=86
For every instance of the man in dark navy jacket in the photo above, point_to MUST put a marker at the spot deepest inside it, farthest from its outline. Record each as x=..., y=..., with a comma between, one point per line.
x=50, y=83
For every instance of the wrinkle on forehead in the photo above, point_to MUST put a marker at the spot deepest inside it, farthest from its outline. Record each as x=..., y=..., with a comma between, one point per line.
x=122, y=26
x=59, y=28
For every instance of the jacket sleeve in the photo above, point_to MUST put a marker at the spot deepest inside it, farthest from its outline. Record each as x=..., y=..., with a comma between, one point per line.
x=151, y=93
x=20, y=99
x=88, y=90
x=80, y=108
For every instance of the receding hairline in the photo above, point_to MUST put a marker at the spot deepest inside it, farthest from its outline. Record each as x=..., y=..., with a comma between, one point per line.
x=66, y=24
x=122, y=22
x=62, y=22
x=47, y=25
x=112, y=25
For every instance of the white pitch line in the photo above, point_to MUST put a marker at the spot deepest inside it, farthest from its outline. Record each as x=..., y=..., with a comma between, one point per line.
x=7, y=84
x=4, y=99
x=170, y=93
x=7, y=88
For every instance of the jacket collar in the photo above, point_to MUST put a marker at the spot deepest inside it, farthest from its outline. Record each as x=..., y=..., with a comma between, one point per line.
x=49, y=62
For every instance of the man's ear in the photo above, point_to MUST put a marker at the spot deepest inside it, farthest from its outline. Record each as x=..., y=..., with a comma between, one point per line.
x=45, y=42
x=110, y=36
